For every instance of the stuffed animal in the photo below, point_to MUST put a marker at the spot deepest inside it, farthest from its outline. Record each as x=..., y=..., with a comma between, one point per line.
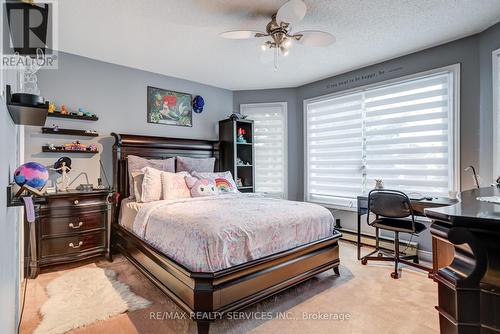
x=201, y=187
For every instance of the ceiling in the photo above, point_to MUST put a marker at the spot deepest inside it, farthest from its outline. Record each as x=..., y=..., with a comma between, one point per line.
x=180, y=38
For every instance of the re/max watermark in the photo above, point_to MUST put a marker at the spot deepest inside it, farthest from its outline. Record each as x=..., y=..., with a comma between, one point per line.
x=329, y=316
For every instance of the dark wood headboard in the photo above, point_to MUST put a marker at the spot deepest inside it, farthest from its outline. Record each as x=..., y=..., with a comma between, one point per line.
x=155, y=148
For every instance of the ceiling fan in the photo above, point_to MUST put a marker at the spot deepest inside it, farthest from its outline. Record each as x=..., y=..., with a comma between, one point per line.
x=279, y=29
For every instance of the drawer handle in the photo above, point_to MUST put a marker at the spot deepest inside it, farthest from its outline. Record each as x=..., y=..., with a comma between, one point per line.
x=80, y=224
x=76, y=202
x=78, y=246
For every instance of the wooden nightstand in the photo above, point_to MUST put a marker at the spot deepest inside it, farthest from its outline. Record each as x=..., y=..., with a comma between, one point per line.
x=70, y=226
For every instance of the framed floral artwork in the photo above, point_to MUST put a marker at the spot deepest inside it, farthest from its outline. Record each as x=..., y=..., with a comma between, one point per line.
x=169, y=107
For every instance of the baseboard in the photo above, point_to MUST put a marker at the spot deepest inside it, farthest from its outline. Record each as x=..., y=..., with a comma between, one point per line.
x=409, y=248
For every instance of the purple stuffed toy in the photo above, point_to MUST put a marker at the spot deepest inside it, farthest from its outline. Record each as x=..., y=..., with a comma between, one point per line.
x=201, y=187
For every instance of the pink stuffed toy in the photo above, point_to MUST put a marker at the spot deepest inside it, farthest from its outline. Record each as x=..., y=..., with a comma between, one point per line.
x=201, y=187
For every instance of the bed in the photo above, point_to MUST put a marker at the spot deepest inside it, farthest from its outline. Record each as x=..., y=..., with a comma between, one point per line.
x=234, y=258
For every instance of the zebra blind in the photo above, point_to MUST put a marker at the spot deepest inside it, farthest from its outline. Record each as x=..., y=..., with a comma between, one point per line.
x=496, y=111
x=270, y=146
x=401, y=133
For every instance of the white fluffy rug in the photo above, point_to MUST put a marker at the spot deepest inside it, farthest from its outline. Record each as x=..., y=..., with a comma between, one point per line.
x=83, y=296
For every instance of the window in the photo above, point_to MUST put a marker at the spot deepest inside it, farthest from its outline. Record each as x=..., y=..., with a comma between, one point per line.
x=496, y=113
x=270, y=137
x=404, y=132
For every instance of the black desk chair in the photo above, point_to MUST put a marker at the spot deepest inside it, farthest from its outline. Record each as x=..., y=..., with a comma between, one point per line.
x=392, y=210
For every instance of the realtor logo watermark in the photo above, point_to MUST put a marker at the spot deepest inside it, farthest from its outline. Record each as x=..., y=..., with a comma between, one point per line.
x=29, y=34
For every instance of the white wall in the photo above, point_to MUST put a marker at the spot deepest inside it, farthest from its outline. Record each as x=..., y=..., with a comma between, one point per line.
x=9, y=222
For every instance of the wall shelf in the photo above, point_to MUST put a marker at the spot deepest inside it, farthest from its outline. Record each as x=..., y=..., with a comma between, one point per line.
x=71, y=132
x=46, y=149
x=57, y=114
x=26, y=114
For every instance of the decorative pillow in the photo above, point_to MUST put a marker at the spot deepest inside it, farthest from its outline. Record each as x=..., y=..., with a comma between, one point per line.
x=151, y=185
x=174, y=186
x=201, y=187
x=191, y=165
x=138, y=178
x=224, y=181
x=136, y=163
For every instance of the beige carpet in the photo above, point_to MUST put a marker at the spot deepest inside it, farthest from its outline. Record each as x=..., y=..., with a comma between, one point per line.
x=373, y=301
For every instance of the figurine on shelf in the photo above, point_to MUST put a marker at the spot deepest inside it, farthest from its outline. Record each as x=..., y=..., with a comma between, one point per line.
x=52, y=147
x=91, y=132
x=80, y=112
x=64, y=110
x=55, y=128
x=237, y=115
x=75, y=146
x=239, y=162
x=241, y=133
x=239, y=182
x=52, y=108
x=89, y=114
x=92, y=148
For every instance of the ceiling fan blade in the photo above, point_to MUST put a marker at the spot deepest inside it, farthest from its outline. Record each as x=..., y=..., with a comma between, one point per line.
x=240, y=34
x=292, y=12
x=315, y=38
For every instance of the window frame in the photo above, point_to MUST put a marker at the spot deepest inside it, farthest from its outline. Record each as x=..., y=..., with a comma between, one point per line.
x=454, y=127
x=495, y=86
x=284, y=108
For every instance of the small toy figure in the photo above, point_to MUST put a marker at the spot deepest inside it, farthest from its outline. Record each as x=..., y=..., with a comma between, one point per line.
x=239, y=162
x=89, y=114
x=63, y=166
x=80, y=112
x=55, y=128
x=237, y=115
x=52, y=108
x=52, y=147
x=241, y=133
x=92, y=147
x=379, y=184
x=64, y=110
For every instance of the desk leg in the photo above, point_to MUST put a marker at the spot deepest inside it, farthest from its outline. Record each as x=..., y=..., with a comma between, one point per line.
x=359, y=236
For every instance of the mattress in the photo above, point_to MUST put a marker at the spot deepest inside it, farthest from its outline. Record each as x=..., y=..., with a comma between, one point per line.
x=208, y=234
x=128, y=210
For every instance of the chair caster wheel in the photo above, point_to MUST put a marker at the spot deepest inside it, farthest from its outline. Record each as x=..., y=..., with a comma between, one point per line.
x=364, y=262
x=395, y=275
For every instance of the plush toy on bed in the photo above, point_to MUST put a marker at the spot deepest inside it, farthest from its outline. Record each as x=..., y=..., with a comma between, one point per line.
x=201, y=187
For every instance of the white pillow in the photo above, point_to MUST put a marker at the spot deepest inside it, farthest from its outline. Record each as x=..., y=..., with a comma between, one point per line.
x=174, y=185
x=151, y=185
x=138, y=178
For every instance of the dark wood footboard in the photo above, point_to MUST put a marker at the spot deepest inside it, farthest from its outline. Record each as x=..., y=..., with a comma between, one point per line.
x=208, y=296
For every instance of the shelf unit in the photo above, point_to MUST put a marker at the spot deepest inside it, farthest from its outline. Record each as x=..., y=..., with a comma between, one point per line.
x=46, y=149
x=228, y=136
x=70, y=132
x=26, y=114
x=57, y=114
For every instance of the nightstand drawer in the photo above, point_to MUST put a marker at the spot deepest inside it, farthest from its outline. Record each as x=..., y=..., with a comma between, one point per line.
x=74, y=244
x=74, y=224
x=77, y=201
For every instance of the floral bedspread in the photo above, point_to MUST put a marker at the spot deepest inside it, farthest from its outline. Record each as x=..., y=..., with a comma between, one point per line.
x=207, y=234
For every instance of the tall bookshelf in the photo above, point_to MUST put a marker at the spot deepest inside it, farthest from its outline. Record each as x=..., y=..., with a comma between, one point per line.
x=232, y=150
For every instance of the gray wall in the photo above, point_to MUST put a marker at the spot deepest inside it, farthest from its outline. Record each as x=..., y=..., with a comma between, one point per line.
x=9, y=221
x=489, y=40
x=117, y=95
x=472, y=53
x=294, y=128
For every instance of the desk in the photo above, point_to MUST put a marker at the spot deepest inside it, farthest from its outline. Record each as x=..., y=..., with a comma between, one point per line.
x=418, y=206
x=469, y=285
